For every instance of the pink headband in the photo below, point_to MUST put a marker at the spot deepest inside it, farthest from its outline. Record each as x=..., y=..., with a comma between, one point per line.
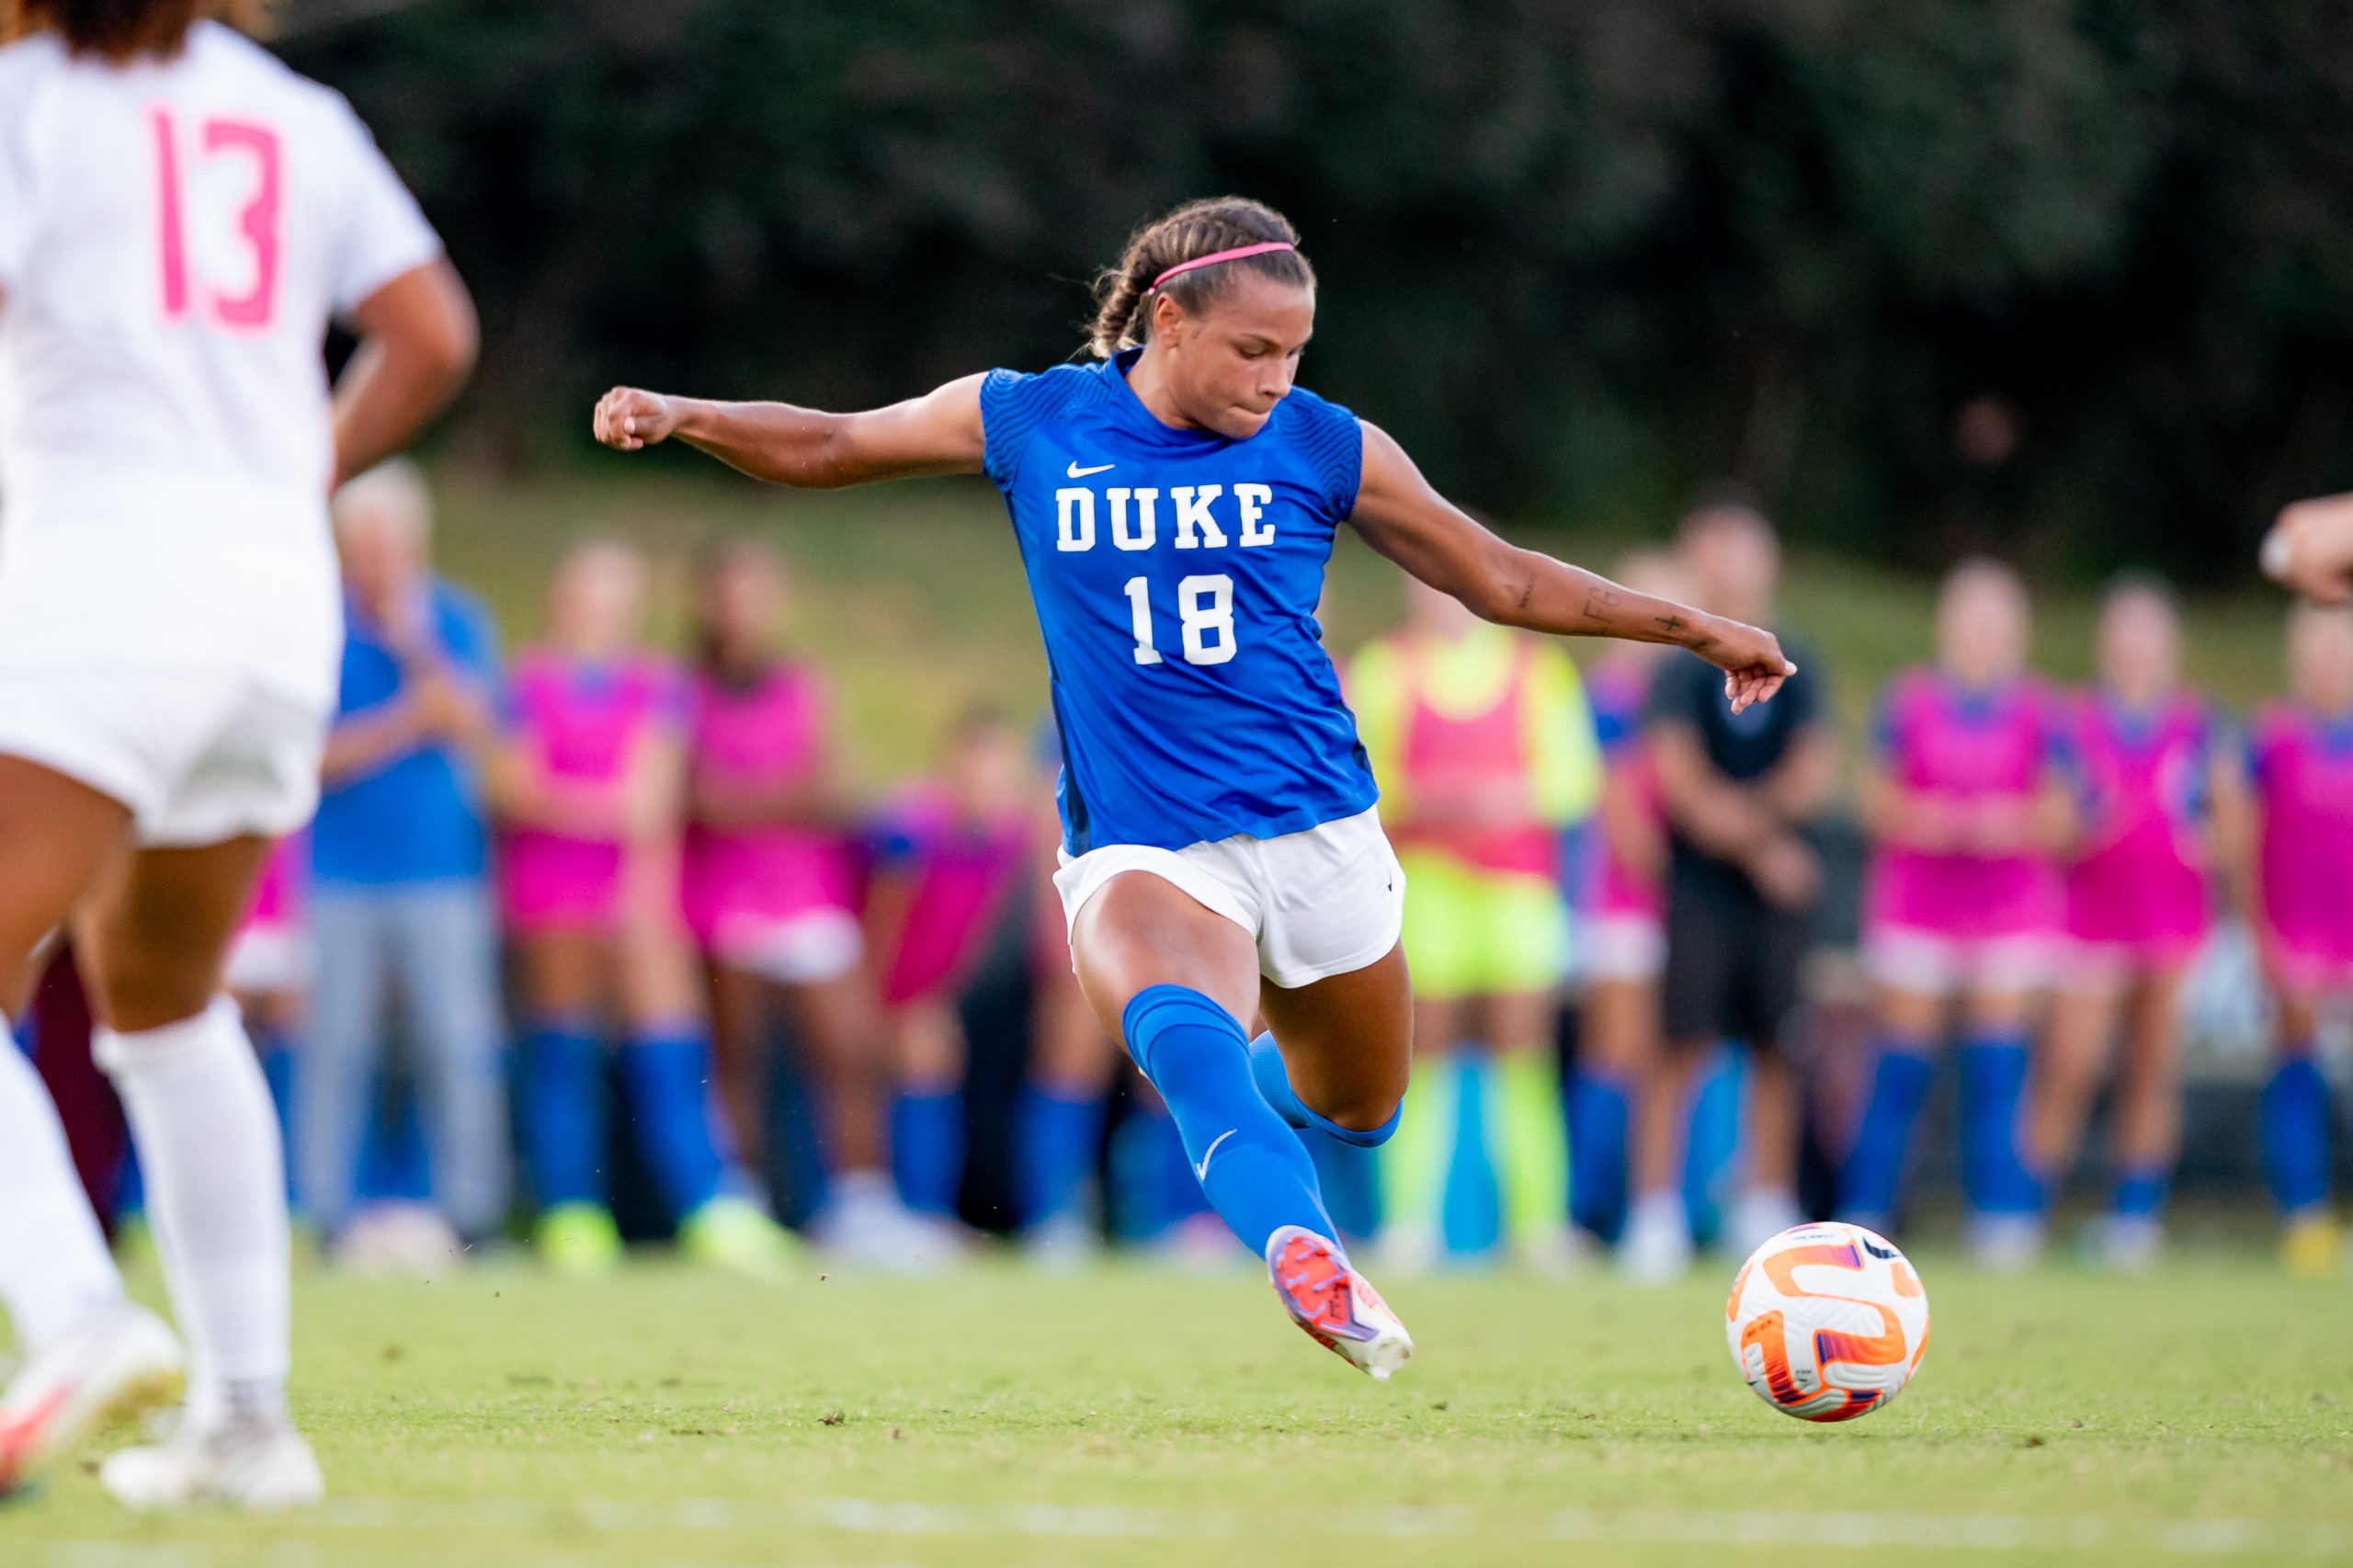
x=1234, y=255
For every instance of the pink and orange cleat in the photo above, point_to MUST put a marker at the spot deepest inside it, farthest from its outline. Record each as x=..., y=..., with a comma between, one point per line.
x=1337, y=1307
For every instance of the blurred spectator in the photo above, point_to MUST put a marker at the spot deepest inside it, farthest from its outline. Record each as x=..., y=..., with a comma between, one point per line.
x=2301, y=755
x=1484, y=750
x=770, y=898
x=399, y=903
x=268, y=973
x=952, y=857
x=2164, y=809
x=1740, y=789
x=1624, y=940
x=592, y=785
x=1968, y=803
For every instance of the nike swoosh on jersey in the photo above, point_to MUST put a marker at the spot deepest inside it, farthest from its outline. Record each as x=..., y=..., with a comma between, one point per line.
x=1077, y=472
x=1201, y=1171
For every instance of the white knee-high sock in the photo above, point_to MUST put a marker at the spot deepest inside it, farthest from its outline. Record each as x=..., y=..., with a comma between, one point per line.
x=54, y=1271
x=207, y=1143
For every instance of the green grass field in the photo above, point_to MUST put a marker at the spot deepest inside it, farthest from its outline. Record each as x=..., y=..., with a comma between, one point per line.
x=1136, y=1416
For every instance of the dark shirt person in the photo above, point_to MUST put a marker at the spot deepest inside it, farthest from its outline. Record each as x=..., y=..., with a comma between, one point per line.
x=1740, y=789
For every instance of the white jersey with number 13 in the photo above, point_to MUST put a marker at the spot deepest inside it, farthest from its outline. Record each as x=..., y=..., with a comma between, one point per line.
x=175, y=237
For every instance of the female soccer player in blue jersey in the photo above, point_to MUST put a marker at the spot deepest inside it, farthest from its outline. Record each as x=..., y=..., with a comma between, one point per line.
x=1221, y=859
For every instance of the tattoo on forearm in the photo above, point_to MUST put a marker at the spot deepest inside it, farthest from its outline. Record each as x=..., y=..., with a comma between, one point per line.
x=1671, y=622
x=1526, y=592
x=1598, y=603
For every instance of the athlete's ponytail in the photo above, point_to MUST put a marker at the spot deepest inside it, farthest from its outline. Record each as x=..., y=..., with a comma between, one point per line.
x=120, y=29
x=1192, y=232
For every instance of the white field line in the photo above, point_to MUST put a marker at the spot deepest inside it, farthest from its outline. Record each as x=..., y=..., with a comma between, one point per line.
x=858, y=1516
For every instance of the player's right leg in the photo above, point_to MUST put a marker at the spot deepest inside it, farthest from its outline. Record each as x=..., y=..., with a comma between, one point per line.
x=1176, y=981
x=2296, y=1136
x=90, y=1355
x=565, y=976
x=152, y=941
x=665, y=1065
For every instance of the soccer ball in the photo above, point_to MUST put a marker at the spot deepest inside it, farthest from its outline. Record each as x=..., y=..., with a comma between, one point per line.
x=1826, y=1321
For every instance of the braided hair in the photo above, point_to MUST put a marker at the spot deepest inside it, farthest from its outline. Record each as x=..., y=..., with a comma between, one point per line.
x=1194, y=230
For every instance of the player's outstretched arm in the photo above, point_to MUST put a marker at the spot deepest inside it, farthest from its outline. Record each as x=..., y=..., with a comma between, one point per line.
x=1404, y=518
x=2310, y=549
x=417, y=336
x=938, y=433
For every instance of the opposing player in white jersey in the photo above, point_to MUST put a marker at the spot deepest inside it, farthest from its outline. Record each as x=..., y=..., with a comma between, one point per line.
x=180, y=217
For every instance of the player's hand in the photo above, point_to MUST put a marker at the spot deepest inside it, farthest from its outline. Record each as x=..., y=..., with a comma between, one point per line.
x=628, y=419
x=1749, y=657
x=2310, y=549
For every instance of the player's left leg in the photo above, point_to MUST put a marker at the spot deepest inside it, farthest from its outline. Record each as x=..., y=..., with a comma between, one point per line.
x=2147, y=1120
x=1072, y=1064
x=665, y=1063
x=152, y=940
x=89, y=1354
x=2004, y=1199
x=2069, y=1063
x=1177, y=978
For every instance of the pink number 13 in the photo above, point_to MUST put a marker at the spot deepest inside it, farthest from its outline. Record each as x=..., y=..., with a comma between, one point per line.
x=257, y=223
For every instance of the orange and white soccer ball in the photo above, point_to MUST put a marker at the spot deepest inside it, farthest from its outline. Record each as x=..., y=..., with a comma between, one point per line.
x=1827, y=1322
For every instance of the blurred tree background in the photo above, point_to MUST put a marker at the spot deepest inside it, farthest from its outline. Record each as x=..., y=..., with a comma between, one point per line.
x=2072, y=281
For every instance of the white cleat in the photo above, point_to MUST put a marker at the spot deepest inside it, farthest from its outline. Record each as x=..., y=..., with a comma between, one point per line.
x=2005, y=1244
x=865, y=1226
x=1337, y=1306
x=1657, y=1248
x=241, y=1464
x=1757, y=1215
x=120, y=1364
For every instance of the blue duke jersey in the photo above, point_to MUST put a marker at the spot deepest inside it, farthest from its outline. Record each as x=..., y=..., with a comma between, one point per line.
x=1176, y=575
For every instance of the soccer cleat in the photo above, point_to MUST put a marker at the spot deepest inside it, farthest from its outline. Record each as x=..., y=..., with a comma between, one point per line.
x=1757, y=1215
x=2005, y=1244
x=122, y=1363
x=2129, y=1243
x=242, y=1464
x=579, y=1239
x=1062, y=1243
x=2312, y=1247
x=734, y=1233
x=1337, y=1306
x=1656, y=1246
x=866, y=1226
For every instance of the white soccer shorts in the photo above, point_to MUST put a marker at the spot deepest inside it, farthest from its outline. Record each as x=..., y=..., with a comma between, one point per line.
x=198, y=756
x=1327, y=900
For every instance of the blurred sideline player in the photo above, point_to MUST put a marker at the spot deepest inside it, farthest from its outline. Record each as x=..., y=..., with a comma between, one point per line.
x=592, y=786
x=1968, y=801
x=1483, y=748
x=2163, y=810
x=953, y=856
x=771, y=892
x=2299, y=752
x=1175, y=503
x=1741, y=786
x=1625, y=940
x=179, y=218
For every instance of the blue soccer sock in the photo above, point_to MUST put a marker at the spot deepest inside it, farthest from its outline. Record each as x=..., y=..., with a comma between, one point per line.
x=667, y=1075
x=1867, y=1186
x=927, y=1149
x=2140, y=1192
x=2296, y=1135
x=1993, y=1176
x=1597, y=1117
x=563, y=1111
x=1058, y=1133
x=1251, y=1165
x=1266, y=1070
